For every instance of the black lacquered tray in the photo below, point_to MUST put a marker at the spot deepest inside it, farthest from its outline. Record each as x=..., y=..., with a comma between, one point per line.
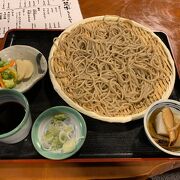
x=103, y=139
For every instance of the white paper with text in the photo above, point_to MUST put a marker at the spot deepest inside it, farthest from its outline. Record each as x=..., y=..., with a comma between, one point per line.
x=38, y=14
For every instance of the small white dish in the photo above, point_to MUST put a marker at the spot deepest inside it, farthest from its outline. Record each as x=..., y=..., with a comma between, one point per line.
x=154, y=107
x=26, y=53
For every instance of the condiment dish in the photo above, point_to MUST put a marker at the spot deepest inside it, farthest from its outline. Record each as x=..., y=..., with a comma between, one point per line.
x=59, y=132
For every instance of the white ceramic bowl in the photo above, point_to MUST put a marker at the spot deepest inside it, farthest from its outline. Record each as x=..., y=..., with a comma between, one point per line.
x=27, y=53
x=156, y=105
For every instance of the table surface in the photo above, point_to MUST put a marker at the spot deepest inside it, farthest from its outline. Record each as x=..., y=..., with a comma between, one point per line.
x=158, y=15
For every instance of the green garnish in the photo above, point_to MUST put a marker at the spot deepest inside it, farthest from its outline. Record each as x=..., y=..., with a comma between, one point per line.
x=59, y=131
x=60, y=116
x=7, y=75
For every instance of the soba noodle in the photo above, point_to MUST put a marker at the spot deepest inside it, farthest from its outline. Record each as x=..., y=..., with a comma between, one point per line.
x=112, y=68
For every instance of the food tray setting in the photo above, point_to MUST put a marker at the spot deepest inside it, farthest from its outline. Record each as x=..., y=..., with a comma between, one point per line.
x=104, y=139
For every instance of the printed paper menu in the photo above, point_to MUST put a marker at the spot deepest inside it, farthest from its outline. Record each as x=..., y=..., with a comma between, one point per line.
x=38, y=14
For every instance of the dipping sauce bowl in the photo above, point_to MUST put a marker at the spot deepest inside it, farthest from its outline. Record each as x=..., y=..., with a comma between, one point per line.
x=15, y=117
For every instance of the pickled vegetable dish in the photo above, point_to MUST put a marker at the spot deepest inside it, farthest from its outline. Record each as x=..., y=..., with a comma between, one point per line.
x=13, y=72
x=8, y=74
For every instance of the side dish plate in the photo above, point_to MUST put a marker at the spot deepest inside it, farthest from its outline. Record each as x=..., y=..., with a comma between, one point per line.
x=31, y=54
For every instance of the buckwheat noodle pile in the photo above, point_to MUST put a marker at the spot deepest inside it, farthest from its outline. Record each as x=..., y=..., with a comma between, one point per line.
x=112, y=68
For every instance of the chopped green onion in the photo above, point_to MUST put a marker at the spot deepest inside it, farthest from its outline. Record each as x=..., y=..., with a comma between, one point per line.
x=60, y=116
x=58, y=132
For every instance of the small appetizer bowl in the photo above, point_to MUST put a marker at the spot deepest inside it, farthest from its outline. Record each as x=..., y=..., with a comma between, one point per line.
x=59, y=132
x=156, y=128
x=34, y=68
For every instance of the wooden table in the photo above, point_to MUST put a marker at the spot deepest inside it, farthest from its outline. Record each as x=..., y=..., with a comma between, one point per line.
x=159, y=16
